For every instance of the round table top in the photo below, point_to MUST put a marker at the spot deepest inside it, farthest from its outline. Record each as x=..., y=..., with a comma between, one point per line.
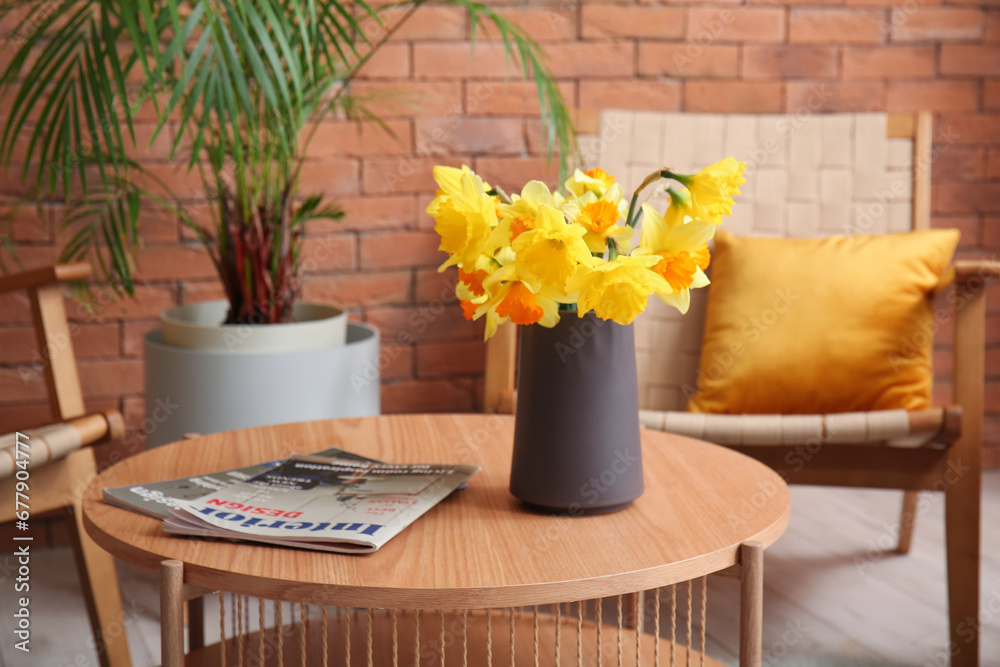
x=478, y=548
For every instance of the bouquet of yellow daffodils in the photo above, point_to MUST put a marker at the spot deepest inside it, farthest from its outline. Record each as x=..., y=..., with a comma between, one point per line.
x=526, y=258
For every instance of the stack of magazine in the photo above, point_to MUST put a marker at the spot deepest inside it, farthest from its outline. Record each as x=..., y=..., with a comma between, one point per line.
x=329, y=501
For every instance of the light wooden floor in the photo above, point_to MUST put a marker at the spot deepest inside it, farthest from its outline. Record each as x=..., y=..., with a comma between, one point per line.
x=834, y=595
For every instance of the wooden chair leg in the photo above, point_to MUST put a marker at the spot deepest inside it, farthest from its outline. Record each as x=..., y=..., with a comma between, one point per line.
x=907, y=521
x=962, y=541
x=98, y=579
x=963, y=477
x=99, y=582
x=751, y=604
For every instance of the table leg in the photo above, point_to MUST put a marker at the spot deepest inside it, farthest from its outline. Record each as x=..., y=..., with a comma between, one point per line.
x=196, y=623
x=172, y=613
x=751, y=604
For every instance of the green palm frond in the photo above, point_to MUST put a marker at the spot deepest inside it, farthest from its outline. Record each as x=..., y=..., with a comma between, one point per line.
x=529, y=55
x=242, y=80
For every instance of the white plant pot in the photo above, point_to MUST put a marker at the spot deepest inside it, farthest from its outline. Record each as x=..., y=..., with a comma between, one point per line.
x=200, y=325
x=206, y=391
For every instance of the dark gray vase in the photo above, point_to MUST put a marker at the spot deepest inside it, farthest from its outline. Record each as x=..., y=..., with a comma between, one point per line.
x=576, y=432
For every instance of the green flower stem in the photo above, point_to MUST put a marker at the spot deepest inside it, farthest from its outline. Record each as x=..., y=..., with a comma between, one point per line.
x=632, y=219
x=678, y=199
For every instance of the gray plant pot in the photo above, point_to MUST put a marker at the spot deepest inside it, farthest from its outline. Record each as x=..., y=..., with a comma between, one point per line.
x=576, y=430
x=207, y=391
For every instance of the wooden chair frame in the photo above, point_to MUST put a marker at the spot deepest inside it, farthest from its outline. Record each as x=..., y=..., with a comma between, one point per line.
x=59, y=485
x=954, y=467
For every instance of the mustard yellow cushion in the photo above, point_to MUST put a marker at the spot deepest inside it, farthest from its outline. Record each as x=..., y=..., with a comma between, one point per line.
x=809, y=326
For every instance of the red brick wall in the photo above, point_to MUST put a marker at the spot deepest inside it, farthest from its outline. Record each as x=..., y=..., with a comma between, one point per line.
x=768, y=56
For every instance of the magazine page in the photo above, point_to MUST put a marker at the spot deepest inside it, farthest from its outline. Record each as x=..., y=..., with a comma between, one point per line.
x=307, y=501
x=156, y=499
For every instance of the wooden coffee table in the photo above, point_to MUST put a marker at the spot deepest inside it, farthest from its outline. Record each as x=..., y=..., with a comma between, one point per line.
x=705, y=509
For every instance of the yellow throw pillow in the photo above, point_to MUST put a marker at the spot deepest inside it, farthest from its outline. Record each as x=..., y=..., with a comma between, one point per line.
x=810, y=326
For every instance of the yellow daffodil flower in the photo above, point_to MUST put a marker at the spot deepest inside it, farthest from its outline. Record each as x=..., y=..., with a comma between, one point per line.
x=523, y=306
x=449, y=179
x=521, y=301
x=472, y=278
x=595, y=180
x=465, y=222
x=468, y=308
x=600, y=217
x=472, y=282
x=519, y=259
x=678, y=212
x=472, y=311
x=616, y=290
x=493, y=322
x=519, y=216
x=551, y=251
x=681, y=251
x=712, y=189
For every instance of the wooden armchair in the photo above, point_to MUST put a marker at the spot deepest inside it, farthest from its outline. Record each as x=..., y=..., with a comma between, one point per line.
x=911, y=451
x=53, y=463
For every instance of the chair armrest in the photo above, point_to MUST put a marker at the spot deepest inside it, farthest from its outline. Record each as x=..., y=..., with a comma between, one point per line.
x=56, y=441
x=969, y=270
x=966, y=272
x=59, y=273
x=99, y=427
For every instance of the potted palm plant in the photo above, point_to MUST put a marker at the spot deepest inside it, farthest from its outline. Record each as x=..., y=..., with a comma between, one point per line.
x=245, y=84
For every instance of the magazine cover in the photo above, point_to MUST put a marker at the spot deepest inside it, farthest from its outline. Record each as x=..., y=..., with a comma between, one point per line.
x=313, y=502
x=156, y=499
